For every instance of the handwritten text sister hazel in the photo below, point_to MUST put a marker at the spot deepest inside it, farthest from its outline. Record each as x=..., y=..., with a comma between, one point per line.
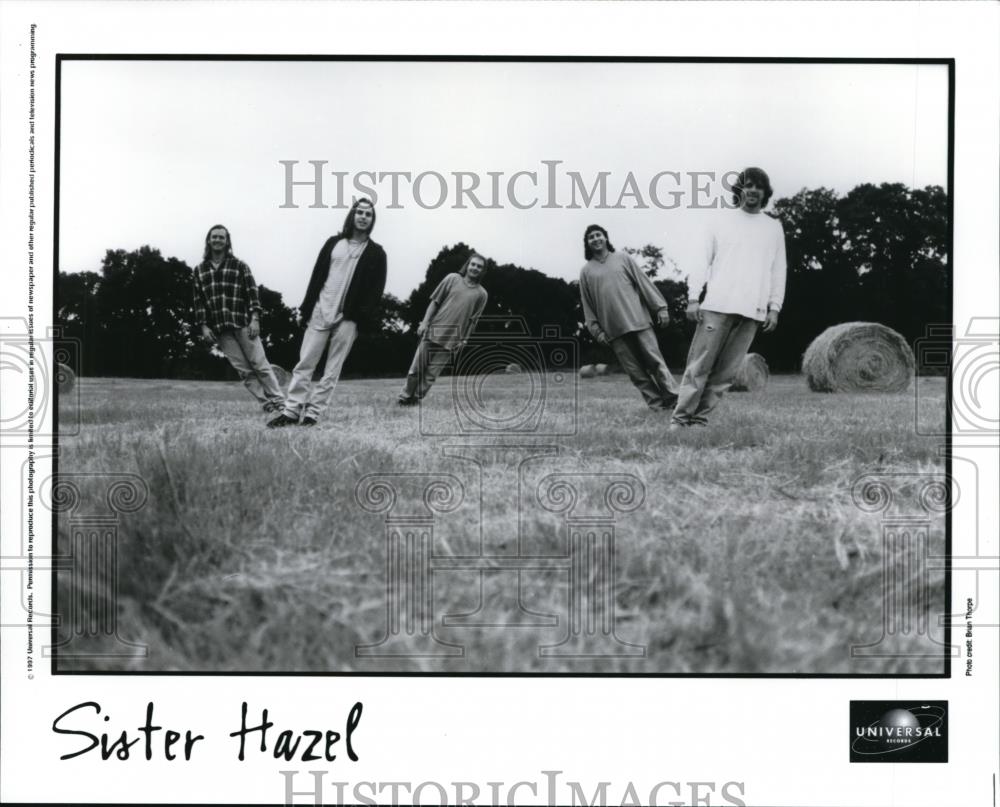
x=308, y=745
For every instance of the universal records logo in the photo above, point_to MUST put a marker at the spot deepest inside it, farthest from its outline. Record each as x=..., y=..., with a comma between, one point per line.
x=899, y=731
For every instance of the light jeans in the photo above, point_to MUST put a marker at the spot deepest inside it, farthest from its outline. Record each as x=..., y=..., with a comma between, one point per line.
x=304, y=397
x=248, y=359
x=428, y=362
x=717, y=350
x=639, y=355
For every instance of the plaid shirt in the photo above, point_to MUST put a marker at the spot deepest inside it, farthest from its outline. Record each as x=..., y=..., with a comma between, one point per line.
x=224, y=298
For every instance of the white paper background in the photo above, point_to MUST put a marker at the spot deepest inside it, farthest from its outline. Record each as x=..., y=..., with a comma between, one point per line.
x=639, y=730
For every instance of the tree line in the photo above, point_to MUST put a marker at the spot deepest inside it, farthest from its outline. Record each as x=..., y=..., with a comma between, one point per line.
x=877, y=254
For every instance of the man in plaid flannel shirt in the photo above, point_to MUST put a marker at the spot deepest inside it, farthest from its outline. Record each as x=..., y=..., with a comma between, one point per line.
x=227, y=308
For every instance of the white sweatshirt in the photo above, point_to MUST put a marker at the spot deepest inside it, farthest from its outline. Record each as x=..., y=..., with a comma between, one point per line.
x=744, y=266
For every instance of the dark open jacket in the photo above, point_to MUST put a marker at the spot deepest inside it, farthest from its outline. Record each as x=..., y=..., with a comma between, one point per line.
x=364, y=294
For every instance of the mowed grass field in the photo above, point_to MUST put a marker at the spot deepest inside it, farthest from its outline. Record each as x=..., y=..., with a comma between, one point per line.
x=744, y=552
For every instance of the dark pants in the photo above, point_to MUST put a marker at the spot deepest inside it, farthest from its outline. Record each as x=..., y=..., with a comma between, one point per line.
x=428, y=362
x=640, y=357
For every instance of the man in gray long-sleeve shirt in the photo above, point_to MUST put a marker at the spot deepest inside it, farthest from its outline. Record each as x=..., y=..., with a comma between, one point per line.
x=619, y=302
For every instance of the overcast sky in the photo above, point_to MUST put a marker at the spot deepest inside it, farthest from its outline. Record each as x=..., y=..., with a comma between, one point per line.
x=156, y=152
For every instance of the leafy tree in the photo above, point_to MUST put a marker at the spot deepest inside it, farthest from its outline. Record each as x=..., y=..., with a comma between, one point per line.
x=144, y=313
x=513, y=292
x=76, y=315
x=392, y=315
x=650, y=258
x=280, y=330
x=676, y=337
x=877, y=254
x=822, y=282
x=387, y=348
x=898, y=238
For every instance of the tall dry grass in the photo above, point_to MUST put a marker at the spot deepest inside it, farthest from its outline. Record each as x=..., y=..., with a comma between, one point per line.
x=746, y=556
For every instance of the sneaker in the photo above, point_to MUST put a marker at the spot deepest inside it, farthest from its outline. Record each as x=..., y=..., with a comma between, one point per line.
x=280, y=421
x=307, y=421
x=404, y=401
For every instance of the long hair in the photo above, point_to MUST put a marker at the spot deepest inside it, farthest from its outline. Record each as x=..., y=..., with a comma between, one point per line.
x=759, y=177
x=347, y=231
x=465, y=266
x=588, y=253
x=229, y=241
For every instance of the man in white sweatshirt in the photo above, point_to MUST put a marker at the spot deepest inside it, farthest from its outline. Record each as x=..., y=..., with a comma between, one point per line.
x=745, y=276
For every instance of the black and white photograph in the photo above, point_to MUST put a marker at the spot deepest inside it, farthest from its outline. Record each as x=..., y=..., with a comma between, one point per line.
x=533, y=366
x=499, y=403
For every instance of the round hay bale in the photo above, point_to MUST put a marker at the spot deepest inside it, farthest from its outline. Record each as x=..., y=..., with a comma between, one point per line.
x=858, y=357
x=587, y=371
x=65, y=379
x=753, y=374
x=601, y=369
x=512, y=369
x=281, y=374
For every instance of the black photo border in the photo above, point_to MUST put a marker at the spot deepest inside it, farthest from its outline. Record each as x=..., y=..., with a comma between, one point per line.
x=60, y=58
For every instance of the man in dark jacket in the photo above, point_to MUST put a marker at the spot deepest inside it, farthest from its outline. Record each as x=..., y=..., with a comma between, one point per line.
x=345, y=289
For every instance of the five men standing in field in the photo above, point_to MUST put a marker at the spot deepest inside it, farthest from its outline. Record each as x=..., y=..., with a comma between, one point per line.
x=743, y=276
